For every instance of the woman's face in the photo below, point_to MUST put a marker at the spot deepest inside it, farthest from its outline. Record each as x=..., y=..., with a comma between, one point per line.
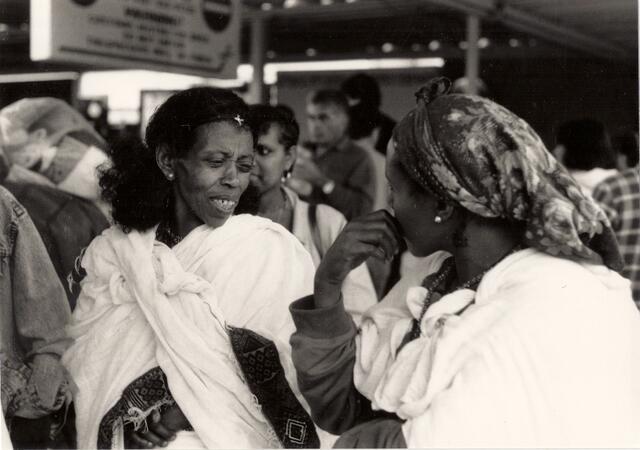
x=272, y=160
x=414, y=208
x=214, y=173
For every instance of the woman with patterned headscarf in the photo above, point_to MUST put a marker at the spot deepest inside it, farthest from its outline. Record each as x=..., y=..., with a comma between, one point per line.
x=519, y=331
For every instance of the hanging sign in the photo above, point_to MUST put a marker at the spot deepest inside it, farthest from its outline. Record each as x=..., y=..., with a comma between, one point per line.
x=198, y=37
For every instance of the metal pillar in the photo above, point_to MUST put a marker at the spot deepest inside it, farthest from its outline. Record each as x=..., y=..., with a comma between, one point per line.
x=472, y=57
x=257, y=92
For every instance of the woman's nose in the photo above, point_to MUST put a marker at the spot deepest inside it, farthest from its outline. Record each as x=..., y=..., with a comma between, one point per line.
x=231, y=176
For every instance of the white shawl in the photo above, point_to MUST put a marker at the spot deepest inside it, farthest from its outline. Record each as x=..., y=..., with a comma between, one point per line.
x=548, y=355
x=144, y=305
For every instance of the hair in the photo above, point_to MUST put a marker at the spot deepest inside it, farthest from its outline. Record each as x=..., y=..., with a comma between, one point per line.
x=363, y=119
x=587, y=145
x=364, y=88
x=133, y=184
x=330, y=97
x=261, y=117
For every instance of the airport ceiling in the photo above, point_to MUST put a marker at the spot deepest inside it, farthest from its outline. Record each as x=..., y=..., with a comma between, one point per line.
x=330, y=29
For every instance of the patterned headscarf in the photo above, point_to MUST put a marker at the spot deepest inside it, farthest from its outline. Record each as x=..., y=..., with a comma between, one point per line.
x=473, y=152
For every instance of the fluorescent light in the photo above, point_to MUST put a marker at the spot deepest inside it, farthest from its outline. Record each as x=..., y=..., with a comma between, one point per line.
x=40, y=33
x=44, y=76
x=271, y=70
x=123, y=87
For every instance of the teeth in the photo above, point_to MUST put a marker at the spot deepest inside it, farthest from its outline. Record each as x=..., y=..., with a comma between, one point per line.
x=225, y=205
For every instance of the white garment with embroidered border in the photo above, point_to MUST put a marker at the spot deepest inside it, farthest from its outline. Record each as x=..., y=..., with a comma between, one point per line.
x=144, y=305
x=548, y=355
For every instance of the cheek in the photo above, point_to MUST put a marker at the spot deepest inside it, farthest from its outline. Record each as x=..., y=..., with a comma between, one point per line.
x=198, y=179
x=244, y=178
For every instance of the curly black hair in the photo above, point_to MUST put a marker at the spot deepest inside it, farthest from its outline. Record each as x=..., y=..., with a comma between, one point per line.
x=133, y=184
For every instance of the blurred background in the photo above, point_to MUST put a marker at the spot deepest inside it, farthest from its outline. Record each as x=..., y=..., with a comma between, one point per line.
x=547, y=60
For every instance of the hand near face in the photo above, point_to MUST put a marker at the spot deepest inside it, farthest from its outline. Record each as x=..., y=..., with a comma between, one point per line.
x=161, y=429
x=375, y=234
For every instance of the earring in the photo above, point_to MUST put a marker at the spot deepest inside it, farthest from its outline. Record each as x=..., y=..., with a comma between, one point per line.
x=285, y=175
x=437, y=219
x=170, y=176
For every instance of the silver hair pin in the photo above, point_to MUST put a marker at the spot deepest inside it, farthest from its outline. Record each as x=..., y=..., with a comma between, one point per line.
x=239, y=119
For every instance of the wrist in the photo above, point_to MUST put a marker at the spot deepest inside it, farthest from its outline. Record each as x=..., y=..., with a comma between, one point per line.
x=326, y=293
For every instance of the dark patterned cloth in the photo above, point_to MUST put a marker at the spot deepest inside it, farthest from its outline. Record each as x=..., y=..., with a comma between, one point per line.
x=148, y=391
x=260, y=363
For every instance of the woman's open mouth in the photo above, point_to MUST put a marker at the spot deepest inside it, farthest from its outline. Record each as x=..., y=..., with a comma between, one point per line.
x=226, y=206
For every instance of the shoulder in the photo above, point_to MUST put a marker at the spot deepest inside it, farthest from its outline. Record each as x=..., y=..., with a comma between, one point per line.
x=330, y=216
x=10, y=205
x=534, y=281
x=254, y=232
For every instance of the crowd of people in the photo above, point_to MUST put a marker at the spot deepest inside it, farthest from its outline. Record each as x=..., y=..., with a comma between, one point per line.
x=224, y=284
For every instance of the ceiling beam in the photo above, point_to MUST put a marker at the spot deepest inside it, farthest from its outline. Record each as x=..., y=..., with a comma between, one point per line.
x=537, y=26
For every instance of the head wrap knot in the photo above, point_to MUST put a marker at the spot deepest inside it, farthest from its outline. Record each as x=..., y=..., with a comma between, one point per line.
x=432, y=90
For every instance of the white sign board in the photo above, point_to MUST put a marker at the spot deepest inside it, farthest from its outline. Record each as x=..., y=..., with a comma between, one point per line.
x=199, y=37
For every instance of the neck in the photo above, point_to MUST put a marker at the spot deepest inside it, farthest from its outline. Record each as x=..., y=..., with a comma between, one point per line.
x=489, y=241
x=184, y=218
x=271, y=202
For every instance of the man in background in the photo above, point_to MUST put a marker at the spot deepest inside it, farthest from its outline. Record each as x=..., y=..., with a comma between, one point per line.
x=619, y=195
x=331, y=169
x=363, y=90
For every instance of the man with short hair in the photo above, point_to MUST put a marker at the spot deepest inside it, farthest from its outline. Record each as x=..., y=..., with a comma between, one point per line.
x=334, y=170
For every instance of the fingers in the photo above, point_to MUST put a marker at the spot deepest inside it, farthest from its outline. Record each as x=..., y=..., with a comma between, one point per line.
x=378, y=229
x=157, y=434
x=137, y=441
x=162, y=431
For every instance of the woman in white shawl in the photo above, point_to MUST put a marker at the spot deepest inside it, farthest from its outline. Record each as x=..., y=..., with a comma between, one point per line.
x=520, y=334
x=181, y=329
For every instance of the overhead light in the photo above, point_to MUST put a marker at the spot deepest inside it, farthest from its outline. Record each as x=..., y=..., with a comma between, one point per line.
x=514, y=42
x=434, y=45
x=483, y=42
x=271, y=54
x=387, y=47
x=311, y=52
x=41, y=76
x=350, y=1
x=271, y=70
x=416, y=47
x=266, y=6
x=326, y=2
x=4, y=27
x=463, y=45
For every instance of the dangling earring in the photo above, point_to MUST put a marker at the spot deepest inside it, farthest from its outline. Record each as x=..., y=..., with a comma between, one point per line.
x=437, y=219
x=285, y=175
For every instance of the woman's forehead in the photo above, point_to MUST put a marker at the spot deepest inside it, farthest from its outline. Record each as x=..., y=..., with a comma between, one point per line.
x=223, y=136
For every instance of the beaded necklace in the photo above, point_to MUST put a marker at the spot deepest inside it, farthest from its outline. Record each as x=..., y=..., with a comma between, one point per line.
x=440, y=284
x=166, y=235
